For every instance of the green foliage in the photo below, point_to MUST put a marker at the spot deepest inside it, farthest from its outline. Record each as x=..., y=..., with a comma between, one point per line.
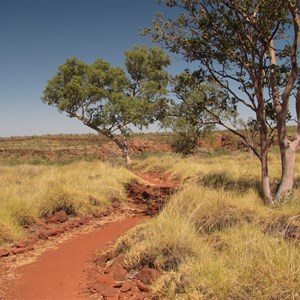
x=231, y=42
x=88, y=91
x=186, y=141
x=251, y=50
x=193, y=112
x=148, y=81
x=212, y=30
x=106, y=98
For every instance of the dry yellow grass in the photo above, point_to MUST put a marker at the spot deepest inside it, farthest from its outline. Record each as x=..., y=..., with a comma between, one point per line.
x=215, y=239
x=238, y=166
x=29, y=192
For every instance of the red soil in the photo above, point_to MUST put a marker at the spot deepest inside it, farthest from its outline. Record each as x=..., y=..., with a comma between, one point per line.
x=107, y=151
x=64, y=272
x=60, y=273
x=158, y=179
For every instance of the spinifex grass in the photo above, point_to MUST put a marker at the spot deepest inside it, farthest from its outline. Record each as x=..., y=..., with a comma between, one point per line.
x=29, y=192
x=215, y=239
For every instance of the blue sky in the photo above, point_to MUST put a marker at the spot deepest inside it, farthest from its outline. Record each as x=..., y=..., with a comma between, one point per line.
x=37, y=36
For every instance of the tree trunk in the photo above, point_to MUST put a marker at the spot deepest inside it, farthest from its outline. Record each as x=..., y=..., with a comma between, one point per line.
x=287, y=147
x=125, y=148
x=265, y=180
x=288, y=161
x=125, y=151
x=264, y=148
x=122, y=145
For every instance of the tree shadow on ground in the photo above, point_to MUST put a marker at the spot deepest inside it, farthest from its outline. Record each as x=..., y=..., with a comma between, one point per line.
x=222, y=181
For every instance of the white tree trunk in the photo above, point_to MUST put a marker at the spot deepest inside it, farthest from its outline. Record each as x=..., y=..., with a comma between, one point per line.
x=288, y=161
x=125, y=149
x=126, y=156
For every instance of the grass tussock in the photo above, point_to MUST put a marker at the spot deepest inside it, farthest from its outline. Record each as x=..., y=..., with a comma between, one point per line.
x=213, y=245
x=174, y=245
x=215, y=239
x=238, y=172
x=213, y=171
x=29, y=192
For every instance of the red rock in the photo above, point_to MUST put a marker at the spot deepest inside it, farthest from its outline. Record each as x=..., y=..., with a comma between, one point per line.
x=51, y=221
x=104, y=289
x=97, y=215
x=118, y=272
x=18, y=250
x=60, y=216
x=101, y=261
x=22, y=244
x=126, y=286
x=65, y=227
x=106, y=279
x=143, y=287
x=42, y=235
x=115, y=297
x=139, y=297
x=32, y=239
x=52, y=232
x=71, y=226
x=3, y=252
x=148, y=275
x=133, y=294
x=75, y=223
x=117, y=284
x=104, y=286
x=119, y=260
x=30, y=248
x=43, y=224
x=105, y=213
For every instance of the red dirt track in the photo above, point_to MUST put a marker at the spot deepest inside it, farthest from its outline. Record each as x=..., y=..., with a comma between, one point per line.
x=58, y=274
x=63, y=270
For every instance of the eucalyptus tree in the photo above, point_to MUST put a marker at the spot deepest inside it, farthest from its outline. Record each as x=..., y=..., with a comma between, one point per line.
x=108, y=99
x=190, y=110
x=250, y=48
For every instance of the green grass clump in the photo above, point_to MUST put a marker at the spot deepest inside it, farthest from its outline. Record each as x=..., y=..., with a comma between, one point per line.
x=29, y=192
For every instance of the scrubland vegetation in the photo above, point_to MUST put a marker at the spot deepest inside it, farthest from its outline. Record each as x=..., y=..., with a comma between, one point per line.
x=215, y=239
x=32, y=191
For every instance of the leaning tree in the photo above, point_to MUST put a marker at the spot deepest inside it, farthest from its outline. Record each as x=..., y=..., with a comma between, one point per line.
x=109, y=100
x=250, y=48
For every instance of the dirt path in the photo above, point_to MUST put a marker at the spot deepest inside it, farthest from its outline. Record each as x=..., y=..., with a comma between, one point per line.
x=58, y=274
x=60, y=268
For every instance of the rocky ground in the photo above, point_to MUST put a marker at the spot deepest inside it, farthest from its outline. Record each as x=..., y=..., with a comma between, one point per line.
x=107, y=151
x=57, y=258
